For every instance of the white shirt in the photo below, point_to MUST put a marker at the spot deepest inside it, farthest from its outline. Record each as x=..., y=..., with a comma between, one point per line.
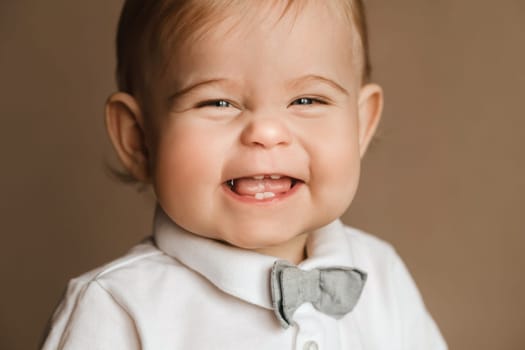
x=181, y=291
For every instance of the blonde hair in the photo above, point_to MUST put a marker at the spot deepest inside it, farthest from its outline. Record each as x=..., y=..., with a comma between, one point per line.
x=147, y=28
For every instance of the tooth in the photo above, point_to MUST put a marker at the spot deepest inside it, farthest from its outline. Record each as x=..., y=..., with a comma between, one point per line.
x=259, y=177
x=264, y=195
x=275, y=177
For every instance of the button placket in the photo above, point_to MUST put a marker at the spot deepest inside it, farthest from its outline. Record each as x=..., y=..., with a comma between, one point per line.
x=310, y=333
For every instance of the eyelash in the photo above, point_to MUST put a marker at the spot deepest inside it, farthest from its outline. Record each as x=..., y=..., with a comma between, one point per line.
x=308, y=101
x=215, y=103
x=303, y=101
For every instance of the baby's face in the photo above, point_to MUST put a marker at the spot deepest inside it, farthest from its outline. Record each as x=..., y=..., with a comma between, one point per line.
x=261, y=143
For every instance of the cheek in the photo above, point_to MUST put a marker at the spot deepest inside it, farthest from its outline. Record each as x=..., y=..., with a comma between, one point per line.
x=336, y=161
x=185, y=163
x=185, y=174
x=341, y=173
x=336, y=143
x=340, y=182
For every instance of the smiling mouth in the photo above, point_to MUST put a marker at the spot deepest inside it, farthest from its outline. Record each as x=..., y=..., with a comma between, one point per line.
x=262, y=187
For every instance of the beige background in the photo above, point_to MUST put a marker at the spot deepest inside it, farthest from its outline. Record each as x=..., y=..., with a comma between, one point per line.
x=444, y=182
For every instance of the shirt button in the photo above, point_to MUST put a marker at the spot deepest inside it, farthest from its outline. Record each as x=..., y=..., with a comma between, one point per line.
x=310, y=345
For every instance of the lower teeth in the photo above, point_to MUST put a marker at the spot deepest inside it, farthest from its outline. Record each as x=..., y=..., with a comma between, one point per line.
x=264, y=195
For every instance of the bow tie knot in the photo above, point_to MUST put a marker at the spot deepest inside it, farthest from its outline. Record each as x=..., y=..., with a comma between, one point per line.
x=333, y=291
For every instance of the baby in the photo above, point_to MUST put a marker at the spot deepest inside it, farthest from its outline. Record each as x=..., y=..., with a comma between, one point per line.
x=249, y=119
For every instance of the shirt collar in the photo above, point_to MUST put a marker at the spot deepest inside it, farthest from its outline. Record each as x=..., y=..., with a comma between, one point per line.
x=243, y=273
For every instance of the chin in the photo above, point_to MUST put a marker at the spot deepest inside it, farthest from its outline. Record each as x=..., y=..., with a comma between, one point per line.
x=260, y=236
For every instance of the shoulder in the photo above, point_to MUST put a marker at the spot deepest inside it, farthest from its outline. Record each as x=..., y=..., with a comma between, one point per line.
x=138, y=282
x=137, y=258
x=391, y=292
x=135, y=273
x=135, y=262
x=141, y=268
x=77, y=322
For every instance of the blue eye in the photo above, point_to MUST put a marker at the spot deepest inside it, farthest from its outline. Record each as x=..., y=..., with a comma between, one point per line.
x=215, y=103
x=303, y=101
x=222, y=103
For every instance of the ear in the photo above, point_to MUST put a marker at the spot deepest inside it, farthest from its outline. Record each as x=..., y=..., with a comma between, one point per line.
x=125, y=126
x=370, y=108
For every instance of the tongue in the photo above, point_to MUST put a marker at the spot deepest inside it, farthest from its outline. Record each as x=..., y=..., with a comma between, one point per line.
x=250, y=186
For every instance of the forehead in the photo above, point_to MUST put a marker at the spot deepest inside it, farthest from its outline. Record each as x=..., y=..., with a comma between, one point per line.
x=178, y=22
x=270, y=35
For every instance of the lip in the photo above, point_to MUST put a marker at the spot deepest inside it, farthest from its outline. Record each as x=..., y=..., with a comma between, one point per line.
x=251, y=200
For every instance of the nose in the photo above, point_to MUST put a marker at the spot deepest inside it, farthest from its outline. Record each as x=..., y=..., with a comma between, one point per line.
x=266, y=132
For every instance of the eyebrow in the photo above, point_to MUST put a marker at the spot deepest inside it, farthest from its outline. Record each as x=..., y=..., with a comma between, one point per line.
x=187, y=89
x=294, y=82
x=317, y=78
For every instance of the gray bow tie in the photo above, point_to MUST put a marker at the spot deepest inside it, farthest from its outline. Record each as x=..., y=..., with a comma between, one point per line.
x=333, y=291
